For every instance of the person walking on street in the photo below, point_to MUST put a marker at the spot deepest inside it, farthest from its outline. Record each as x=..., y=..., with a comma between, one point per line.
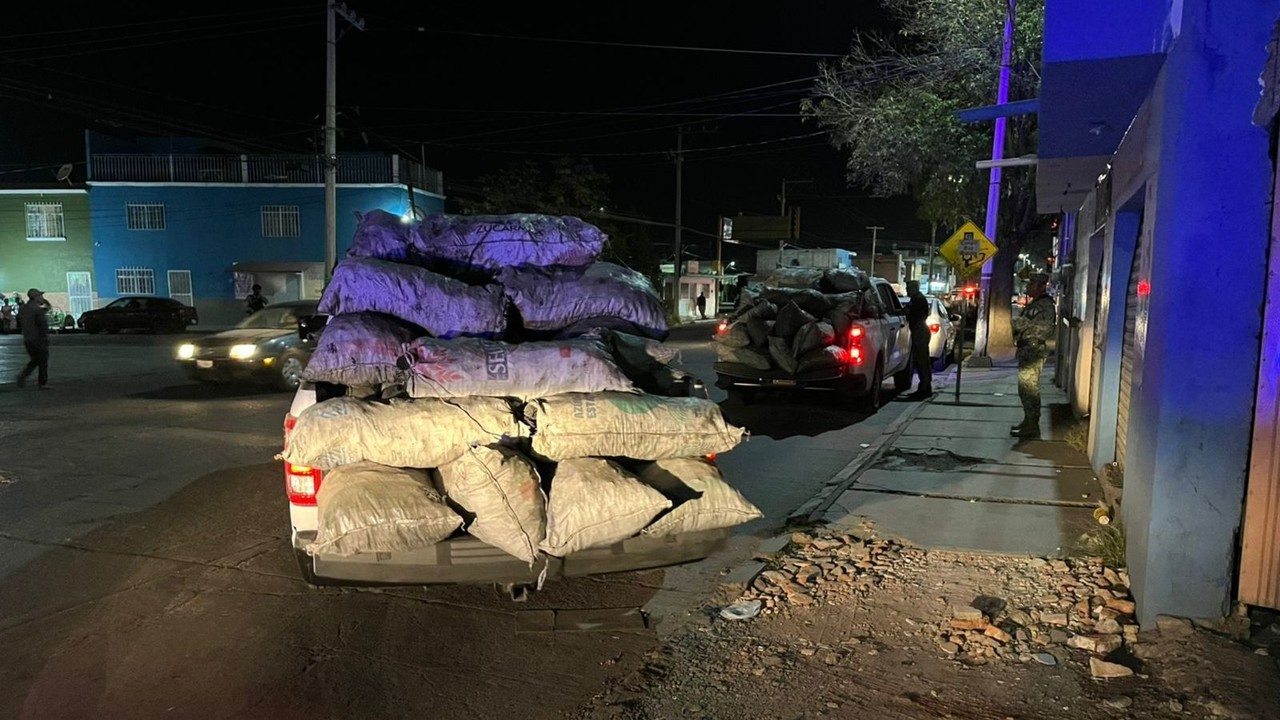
x=1032, y=330
x=702, y=305
x=253, y=302
x=34, y=322
x=918, y=322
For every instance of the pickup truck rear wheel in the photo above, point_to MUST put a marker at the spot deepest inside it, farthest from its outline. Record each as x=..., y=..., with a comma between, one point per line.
x=870, y=401
x=308, y=570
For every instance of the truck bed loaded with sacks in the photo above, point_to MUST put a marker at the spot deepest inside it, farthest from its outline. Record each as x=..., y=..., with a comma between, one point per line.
x=808, y=328
x=488, y=403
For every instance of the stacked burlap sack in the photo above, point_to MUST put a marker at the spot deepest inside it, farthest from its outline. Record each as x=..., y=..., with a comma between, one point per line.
x=503, y=382
x=795, y=320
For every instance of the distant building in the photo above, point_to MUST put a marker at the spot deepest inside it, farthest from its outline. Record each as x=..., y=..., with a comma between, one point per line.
x=46, y=242
x=178, y=218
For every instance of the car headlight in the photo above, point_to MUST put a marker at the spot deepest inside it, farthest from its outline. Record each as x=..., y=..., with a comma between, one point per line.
x=243, y=352
x=186, y=351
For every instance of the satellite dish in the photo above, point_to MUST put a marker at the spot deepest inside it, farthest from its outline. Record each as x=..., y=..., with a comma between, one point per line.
x=64, y=173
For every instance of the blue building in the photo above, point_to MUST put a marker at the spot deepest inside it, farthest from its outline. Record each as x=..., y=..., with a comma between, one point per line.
x=1157, y=143
x=176, y=218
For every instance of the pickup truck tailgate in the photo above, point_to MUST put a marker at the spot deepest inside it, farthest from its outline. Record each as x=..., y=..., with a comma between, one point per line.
x=467, y=560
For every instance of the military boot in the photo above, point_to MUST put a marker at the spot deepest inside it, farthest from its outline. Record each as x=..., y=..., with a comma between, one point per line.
x=1028, y=429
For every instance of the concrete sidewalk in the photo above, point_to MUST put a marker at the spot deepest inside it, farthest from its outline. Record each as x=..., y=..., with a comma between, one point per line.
x=951, y=477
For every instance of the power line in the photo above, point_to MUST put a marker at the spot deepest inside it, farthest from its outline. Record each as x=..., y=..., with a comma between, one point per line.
x=630, y=154
x=238, y=13
x=610, y=43
x=199, y=37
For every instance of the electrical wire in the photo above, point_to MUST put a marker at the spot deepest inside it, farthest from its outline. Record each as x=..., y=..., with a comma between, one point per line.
x=237, y=13
x=200, y=37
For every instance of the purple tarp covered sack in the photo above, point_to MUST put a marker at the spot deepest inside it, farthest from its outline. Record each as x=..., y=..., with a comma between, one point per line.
x=383, y=236
x=555, y=298
x=493, y=242
x=360, y=349
x=440, y=305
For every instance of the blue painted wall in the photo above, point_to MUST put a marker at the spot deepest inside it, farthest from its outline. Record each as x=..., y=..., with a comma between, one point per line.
x=1206, y=202
x=1092, y=29
x=208, y=228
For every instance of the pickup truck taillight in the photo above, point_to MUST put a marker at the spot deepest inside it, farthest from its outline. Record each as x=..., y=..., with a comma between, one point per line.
x=856, y=356
x=301, y=483
x=934, y=327
x=722, y=327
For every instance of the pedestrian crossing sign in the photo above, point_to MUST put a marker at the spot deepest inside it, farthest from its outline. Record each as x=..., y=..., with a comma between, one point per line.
x=967, y=249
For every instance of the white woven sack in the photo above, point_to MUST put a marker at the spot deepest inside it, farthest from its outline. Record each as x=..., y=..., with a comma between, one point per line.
x=501, y=488
x=402, y=433
x=641, y=427
x=704, y=501
x=595, y=502
x=465, y=367
x=370, y=508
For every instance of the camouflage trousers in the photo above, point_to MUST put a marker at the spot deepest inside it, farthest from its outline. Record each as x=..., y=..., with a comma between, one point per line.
x=1029, y=366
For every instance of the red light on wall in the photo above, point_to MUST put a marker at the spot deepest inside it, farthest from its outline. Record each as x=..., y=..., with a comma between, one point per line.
x=1144, y=288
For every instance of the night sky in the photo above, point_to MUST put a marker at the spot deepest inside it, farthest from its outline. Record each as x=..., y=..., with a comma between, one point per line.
x=431, y=78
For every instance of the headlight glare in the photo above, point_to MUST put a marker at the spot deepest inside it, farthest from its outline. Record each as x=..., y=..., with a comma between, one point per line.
x=186, y=351
x=243, y=352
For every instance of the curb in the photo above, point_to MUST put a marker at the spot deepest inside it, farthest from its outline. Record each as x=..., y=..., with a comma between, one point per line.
x=811, y=510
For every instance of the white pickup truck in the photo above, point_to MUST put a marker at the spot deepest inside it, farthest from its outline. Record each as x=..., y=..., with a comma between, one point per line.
x=876, y=348
x=462, y=558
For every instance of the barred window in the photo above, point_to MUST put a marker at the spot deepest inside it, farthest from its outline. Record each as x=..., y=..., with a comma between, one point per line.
x=145, y=216
x=135, y=281
x=280, y=221
x=44, y=221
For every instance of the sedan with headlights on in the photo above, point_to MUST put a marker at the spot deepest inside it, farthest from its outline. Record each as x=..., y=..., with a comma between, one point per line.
x=265, y=347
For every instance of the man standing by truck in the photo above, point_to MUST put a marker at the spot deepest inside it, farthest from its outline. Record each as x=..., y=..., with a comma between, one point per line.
x=1031, y=331
x=918, y=322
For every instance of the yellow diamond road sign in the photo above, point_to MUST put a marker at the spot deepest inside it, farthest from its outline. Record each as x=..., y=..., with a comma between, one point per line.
x=967, y=249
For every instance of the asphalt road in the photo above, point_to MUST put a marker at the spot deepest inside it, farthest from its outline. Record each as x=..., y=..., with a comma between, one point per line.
x=145, y=569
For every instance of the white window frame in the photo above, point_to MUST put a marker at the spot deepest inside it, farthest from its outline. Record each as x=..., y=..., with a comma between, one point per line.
x=145, y=216
x=186, y=298
x=281, y=221
x=135, y=281
x=49, y=226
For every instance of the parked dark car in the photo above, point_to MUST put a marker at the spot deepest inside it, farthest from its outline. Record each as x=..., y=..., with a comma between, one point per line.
x=265, y=347
x=154, y=314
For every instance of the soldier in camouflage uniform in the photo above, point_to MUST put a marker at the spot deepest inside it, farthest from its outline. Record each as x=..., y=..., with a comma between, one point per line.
x=1032, y=330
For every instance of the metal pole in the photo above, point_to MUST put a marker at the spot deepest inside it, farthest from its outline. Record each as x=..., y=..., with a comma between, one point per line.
x=874, y=230
x=933, y=238
x=783, y=198
x=993, y=190
x=719, y=262
x=331, y=142
x=960, y=356
x=679, y=215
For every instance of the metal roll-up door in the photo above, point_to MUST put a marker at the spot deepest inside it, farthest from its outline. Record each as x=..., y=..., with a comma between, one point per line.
x=1126, y=359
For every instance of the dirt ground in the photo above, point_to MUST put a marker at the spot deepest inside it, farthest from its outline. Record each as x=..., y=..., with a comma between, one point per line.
x=859, y=627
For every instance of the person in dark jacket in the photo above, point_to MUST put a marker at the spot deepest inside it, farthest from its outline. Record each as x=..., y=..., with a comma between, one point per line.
x=254, y=301
x=702, y=305
x=1032, y=330
x=33, y=320
x=918, y=322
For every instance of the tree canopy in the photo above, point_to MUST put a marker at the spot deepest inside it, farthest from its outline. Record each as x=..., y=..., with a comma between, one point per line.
x=890, y=103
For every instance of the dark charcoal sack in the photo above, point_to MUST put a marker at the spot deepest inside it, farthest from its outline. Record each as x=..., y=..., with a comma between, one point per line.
x=551, y=299
x=827, y=359
x=841, y=280
x=360, y=349
x=735, y=336
x=790, y=319
x=811, y=337
x=758, y=308
x=780, y=351
x=383, y=236
x=750, y=357
x=442, y=306
x=494, y=242
x=758, y=329
x=795, y=277
x=811, y=301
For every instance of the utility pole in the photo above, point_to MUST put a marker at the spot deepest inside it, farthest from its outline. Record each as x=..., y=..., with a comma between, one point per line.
x=874, y=230
x=933, y=239
x=983, y=329
x=675, y=290
x=783, y=197
x=331, y=131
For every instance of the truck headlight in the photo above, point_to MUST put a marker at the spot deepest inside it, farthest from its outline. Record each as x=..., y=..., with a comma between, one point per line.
x=243, y=352
x=186, y=351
